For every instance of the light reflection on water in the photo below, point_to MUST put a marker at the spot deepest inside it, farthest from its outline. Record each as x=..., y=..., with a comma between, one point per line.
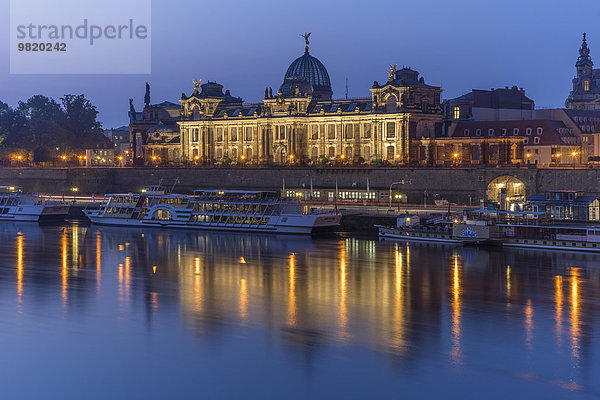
x=106, y=311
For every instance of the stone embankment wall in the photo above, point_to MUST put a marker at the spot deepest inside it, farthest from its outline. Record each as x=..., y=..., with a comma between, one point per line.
x=456, y=184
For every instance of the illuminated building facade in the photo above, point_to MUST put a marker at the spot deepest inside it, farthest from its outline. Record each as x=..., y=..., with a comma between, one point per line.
x=539, y=142
x=302, y=123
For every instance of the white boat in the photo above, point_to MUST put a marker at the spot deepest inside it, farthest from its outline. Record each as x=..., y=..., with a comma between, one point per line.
x=228, y=210
x=16, y=206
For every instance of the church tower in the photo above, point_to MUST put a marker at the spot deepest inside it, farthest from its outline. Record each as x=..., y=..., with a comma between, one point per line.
x=584, y=63
x=586, y=89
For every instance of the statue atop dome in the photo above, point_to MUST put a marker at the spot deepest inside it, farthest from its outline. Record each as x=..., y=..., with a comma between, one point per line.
x=196, y=85
x=306, y=36
x=392, y=72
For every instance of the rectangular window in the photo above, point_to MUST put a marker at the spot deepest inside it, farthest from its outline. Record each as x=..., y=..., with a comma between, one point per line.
x=314, y=132
x=391, y=130
x=456, y=112
x=367, y=131
x=332, y=152
x=248, y=133
x=234, y=134
x=219, y=134
x=195, y=135
x=331, y=131
x=349, y=131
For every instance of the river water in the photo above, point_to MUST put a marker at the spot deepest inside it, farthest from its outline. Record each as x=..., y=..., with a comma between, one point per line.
x=89, y=312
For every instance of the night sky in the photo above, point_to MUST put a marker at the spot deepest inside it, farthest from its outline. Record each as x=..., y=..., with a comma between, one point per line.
x=248, y=45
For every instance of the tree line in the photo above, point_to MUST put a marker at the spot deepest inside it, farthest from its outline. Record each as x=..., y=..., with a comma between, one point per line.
x=47, y=128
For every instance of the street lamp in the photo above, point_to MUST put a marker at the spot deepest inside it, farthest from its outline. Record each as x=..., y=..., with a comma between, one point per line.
x=392, y=184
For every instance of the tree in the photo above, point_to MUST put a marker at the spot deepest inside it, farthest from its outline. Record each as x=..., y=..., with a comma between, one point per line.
x=79, y=120
x=12, y=124
x=43, y=125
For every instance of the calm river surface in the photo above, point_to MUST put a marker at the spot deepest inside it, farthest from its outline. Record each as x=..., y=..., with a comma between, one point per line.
x=88, y=312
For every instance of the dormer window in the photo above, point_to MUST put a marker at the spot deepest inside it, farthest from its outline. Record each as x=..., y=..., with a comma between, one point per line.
x=528, y=131
x=490, y=132
x=536, y=140
x=478, y=132
x=467, y=132
x=504, y=131
x=540, y=130
x=515, y=131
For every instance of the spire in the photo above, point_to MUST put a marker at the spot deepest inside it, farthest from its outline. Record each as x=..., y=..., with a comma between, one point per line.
x=584, y=52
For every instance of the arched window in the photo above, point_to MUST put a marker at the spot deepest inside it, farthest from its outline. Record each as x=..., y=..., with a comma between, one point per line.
x=390, y=153
x=196, y=113
x=314, y=153
x=349, y=154
x=391, y=105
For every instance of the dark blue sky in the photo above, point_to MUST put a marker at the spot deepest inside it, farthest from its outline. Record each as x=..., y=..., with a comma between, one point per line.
x=248, y=45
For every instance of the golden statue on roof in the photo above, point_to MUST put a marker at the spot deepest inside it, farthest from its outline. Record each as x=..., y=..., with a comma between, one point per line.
x=196, y=84
x=392, y=71
x=306, y=36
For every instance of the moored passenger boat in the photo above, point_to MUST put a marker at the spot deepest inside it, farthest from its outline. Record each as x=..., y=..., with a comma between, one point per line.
x=527, y=229
x=230, y=210
x=16, y=206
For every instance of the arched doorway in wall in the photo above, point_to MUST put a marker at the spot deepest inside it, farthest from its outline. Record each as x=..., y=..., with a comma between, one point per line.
x=507, y=192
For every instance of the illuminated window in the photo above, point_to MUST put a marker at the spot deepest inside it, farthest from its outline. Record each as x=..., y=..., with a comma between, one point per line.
x=586, y=85
x=315, y=132
x=249, y=133
x=456, y=112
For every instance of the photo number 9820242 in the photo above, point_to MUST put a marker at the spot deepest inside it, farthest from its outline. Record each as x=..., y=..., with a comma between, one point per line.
x=42, y=46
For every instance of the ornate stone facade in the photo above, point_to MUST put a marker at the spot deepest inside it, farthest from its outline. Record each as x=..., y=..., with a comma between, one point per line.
x=301, y=123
